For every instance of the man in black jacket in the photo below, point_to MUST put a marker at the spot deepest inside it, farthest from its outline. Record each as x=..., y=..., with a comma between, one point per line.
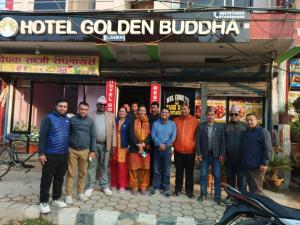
x=82, y=145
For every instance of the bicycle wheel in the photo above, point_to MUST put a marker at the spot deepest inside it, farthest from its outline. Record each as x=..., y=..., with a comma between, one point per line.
x=5, y=161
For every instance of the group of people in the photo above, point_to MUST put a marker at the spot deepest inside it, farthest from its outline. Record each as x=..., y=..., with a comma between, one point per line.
x=134, y=151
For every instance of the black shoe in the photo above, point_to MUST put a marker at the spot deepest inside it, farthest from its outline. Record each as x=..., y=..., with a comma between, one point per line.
x=176, y=193
x=190, y=195
x=167, y=193
x=153, y=192
x=218, y=201
x=202, y=198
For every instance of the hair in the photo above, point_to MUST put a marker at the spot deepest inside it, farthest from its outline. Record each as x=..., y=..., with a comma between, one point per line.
x=84, y=103
x=142, y=106
x=61, y=100
x=185, y=104
x=165, y=108
x=134, y=103
x=123, y=107
x=210, y=109
x=251, y=114
x=155, y=103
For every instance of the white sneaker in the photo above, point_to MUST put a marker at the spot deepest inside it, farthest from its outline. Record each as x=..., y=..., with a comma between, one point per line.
x=88, y=192
x=83, y=197
x=59, y=203
x=44, y=207
x=107, y=191
x=69, y=200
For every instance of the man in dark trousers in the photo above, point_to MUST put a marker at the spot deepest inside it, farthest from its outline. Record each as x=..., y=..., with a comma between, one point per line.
x=256, y=147
x=211, y=151
x=233, y=134
x=53, y=154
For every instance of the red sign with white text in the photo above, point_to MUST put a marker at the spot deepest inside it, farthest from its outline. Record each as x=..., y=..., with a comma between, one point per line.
x=111, y=92
x=155, y=93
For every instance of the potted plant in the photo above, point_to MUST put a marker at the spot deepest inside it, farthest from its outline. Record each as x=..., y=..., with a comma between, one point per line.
x=295, y=129
x=276, y=165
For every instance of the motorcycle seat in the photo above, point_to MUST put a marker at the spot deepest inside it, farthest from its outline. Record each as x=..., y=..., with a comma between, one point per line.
x=280, y=210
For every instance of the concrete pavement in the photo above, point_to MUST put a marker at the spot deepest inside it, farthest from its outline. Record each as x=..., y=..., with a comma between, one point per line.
x=19, y=199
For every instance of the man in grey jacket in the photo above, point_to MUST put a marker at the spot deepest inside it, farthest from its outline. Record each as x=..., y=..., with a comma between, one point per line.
x=82, y=145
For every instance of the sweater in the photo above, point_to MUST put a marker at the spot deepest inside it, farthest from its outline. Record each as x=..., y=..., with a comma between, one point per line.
x=82, y=133
x=163, y=133
x=256, y=146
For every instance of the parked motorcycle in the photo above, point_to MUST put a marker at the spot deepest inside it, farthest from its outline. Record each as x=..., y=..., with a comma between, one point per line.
x=257, y=210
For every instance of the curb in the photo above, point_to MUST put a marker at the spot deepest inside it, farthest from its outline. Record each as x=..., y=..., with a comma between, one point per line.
x=77, y=216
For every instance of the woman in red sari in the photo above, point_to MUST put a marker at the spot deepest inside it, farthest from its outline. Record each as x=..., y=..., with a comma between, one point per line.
x=119, y=162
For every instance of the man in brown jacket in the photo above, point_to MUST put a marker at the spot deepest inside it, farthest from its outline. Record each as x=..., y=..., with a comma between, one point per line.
x=105, y=130
x=184, y=153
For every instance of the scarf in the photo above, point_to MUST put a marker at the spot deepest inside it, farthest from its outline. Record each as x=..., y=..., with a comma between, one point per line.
x=141, y=128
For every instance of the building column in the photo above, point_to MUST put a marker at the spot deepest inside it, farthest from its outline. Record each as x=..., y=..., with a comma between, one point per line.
x=204, y=93
x=282, y=87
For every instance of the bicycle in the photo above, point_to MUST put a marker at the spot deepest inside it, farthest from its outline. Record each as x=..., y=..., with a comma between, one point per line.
x=9, y=157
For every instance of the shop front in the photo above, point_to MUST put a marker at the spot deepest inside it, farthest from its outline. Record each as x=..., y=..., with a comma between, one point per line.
x=139, y=57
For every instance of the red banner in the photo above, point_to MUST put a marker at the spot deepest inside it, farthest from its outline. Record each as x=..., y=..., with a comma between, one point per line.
x=9, y=4
x=111, y=92
x=155, y=93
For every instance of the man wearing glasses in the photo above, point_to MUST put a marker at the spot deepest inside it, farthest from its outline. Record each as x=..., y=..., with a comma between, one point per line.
x=105, y=130
x=233, y=134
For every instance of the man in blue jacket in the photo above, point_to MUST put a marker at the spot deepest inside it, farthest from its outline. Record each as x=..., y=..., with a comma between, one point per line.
x=53, y=154
x=163, y=134
x=256, y=146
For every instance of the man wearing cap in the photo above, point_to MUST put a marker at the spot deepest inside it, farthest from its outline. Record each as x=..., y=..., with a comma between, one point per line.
x=105, y=130
x=233, y=134
x=211, y=152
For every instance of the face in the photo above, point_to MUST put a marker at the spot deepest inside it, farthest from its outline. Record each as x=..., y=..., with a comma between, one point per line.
x=62, y=107
x=251, y=121
x=83, y=110
x=210, y=117
x=185, y=111
x=101, y=107
x=234, y=116
x=122, y=113
x=154, y=109
x=142, y=112
x=134, y=107
x=165, y=114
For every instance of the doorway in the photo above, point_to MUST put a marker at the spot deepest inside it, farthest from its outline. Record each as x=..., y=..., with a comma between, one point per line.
x=130, y=94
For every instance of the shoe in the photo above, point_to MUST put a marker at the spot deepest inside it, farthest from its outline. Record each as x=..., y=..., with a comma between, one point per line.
x=134, y=192
x=153, y=192
x=190, y=195
x=176, y=193
x=122, y=190
x=218, y=201
x=69, y=200
x=227, y=201
x=107, y=191
x=59, y=203
x=202, y=198
x=143, y=192
x=88, y=192
x=167, y=193
x=44, y=207
x=82, y=197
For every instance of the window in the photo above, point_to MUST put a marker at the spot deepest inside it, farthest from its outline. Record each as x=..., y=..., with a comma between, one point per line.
x=49, y=5
x=2, y=4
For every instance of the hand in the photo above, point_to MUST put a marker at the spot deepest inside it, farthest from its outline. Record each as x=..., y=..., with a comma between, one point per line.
x=161, y=147
x=263, y=169
x=93, y=154
x=199, y=157
x=221, y=158
x=42, y=159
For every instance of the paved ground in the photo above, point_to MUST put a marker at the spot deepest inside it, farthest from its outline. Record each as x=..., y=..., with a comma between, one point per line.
x=19, y=194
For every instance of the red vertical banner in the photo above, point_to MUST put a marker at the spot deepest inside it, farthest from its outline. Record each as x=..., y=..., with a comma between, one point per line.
x=155, y=94
x=111, y=94
x=9, y=4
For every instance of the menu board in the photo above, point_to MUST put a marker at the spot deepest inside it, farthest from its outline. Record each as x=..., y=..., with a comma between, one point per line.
x=249, y=105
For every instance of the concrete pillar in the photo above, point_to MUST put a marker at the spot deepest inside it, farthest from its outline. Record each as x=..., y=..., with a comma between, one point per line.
x=204, y=93
x=282, y=87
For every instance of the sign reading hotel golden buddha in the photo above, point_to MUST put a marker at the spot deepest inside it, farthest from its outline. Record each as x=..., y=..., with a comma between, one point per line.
x=74, y=65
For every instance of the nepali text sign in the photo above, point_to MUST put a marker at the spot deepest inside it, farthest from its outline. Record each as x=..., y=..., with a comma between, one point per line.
x=111, y=91
x=184, y=27
x=81, y=65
